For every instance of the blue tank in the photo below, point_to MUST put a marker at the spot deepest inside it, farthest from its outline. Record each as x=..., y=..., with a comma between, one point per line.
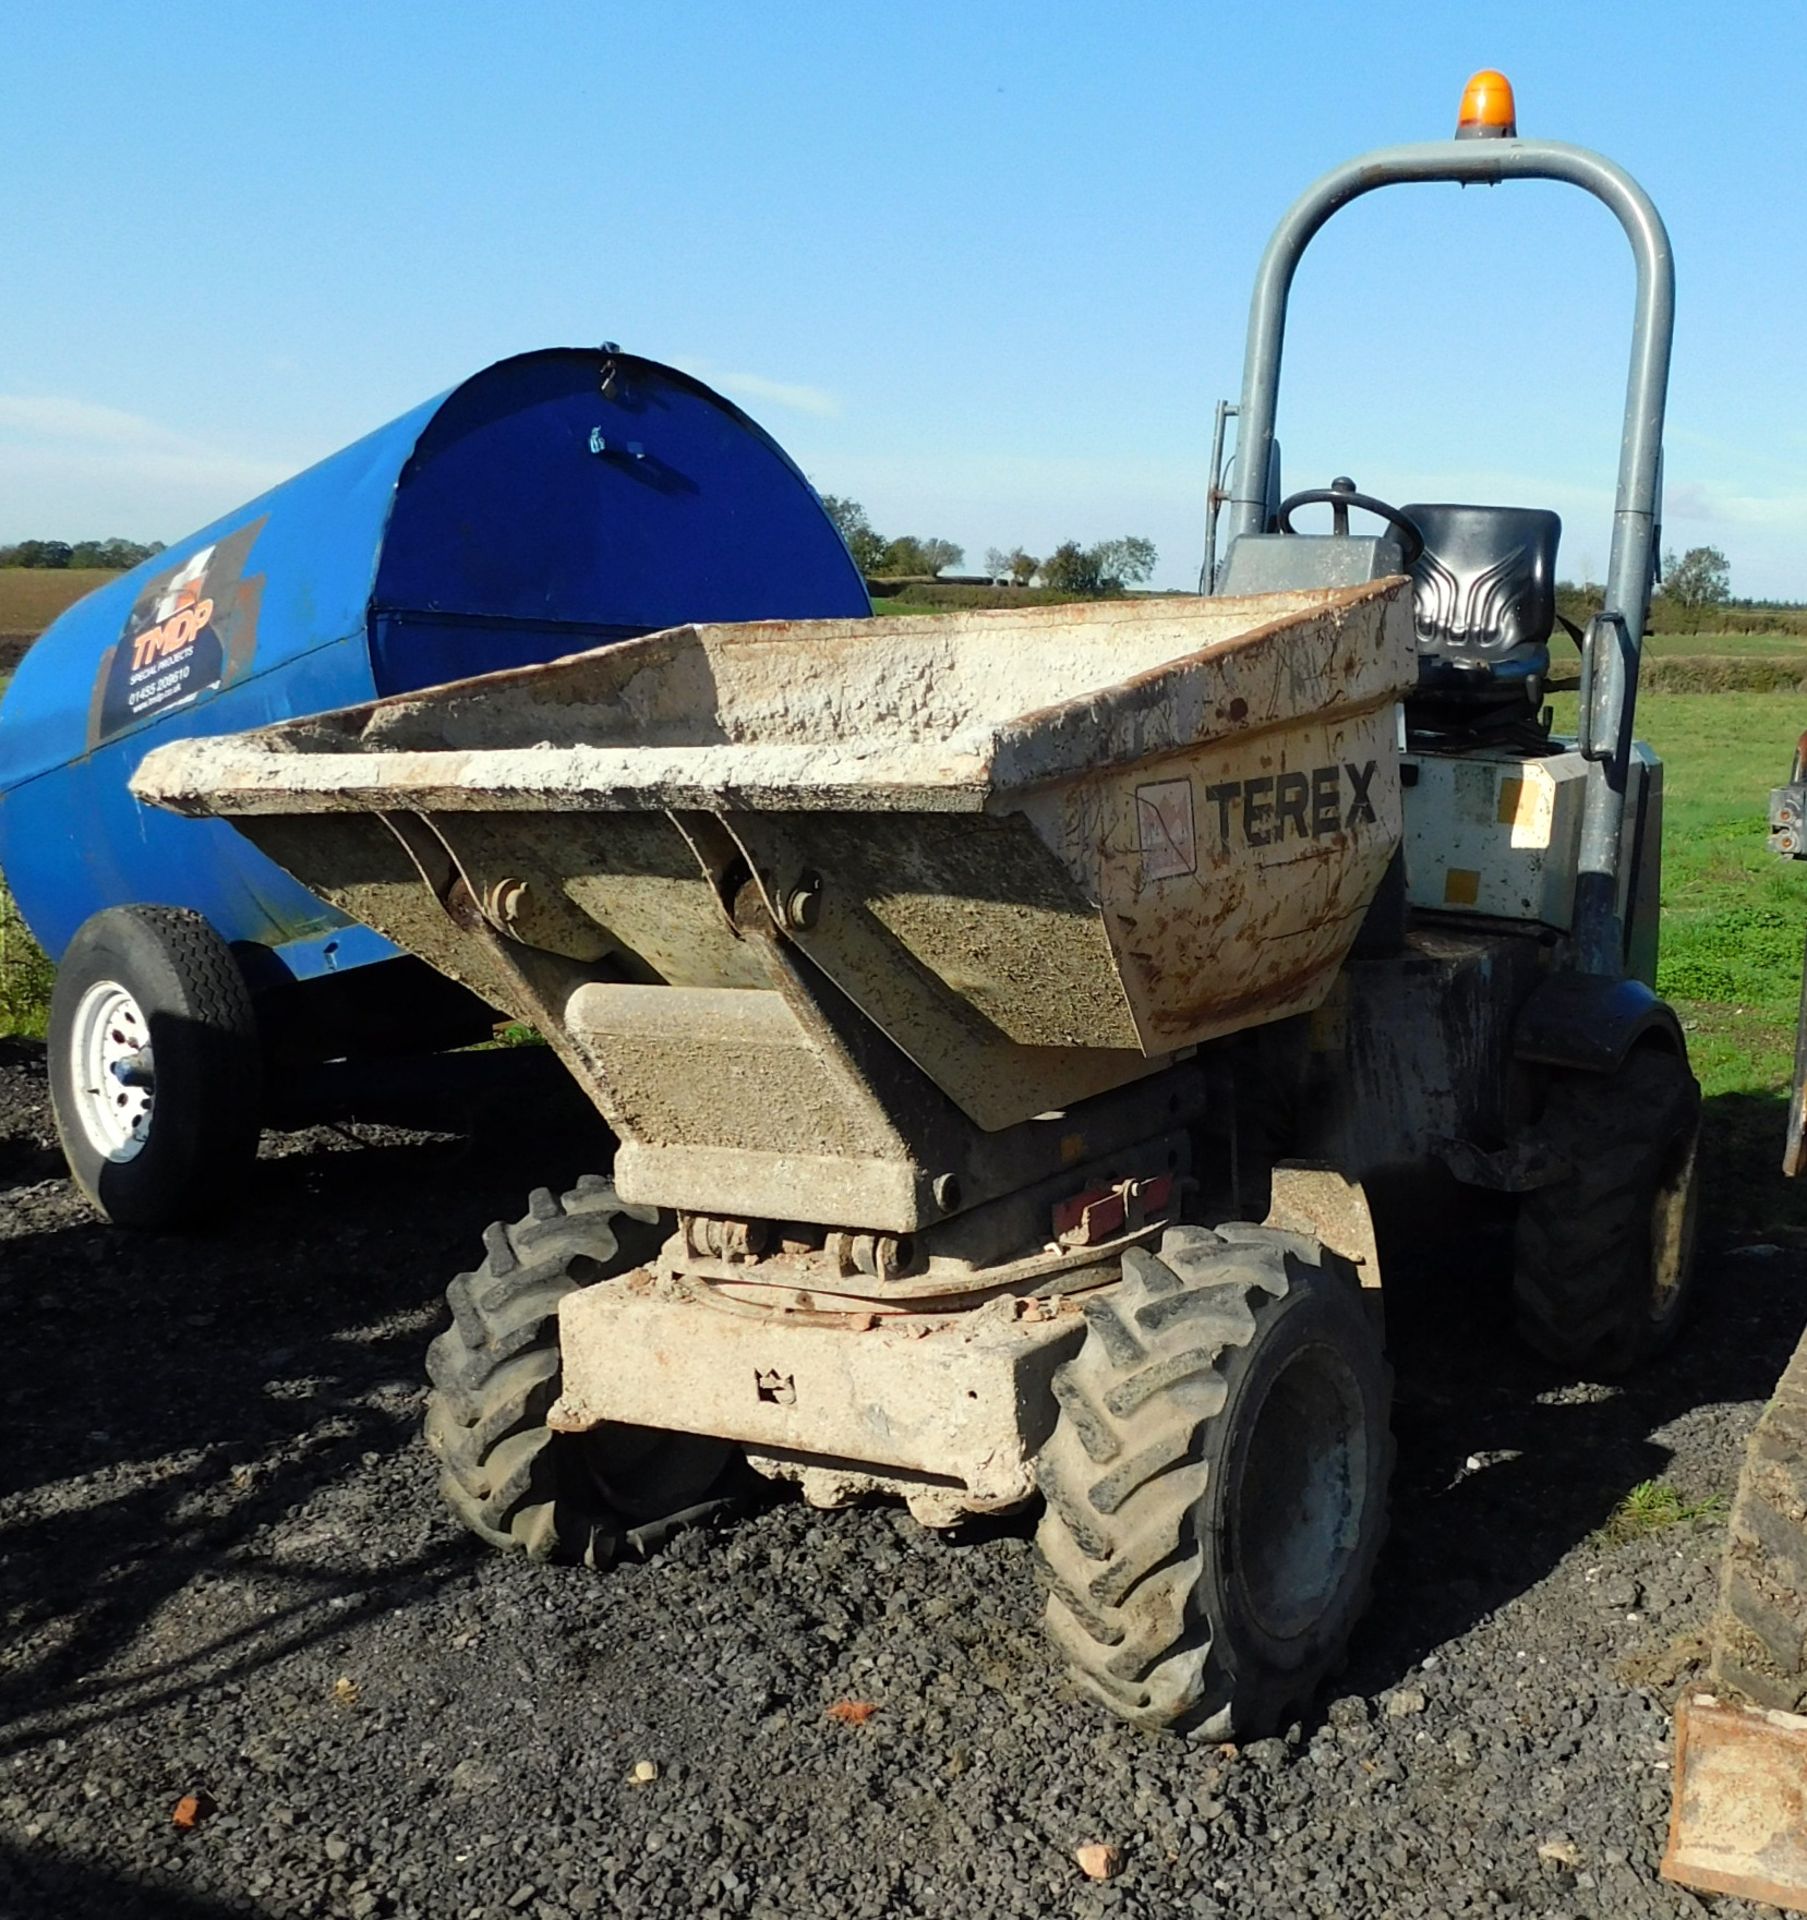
x=552, y=503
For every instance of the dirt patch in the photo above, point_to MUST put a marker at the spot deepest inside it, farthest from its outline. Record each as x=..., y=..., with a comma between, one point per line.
x=225, y=1575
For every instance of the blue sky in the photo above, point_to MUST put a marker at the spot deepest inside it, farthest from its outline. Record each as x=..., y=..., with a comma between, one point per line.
x=984, y=267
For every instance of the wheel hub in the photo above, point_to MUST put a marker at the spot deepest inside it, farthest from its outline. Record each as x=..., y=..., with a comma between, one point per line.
x=1298, y=1513
x=114, y=1073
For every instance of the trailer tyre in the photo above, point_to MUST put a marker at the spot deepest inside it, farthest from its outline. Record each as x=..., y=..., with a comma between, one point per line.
x=1760, y=1630
x=1216, y=1482
x=155, y=1066
x=1604, y=1259
x=495, y=1372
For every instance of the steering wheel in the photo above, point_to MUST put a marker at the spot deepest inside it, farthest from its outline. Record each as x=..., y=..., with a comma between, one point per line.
x=1340, y=496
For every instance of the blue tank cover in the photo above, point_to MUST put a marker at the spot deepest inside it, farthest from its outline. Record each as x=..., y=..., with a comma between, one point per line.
x=552, y=503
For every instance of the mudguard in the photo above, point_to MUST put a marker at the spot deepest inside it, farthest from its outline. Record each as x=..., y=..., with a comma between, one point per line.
x=1591, y=1023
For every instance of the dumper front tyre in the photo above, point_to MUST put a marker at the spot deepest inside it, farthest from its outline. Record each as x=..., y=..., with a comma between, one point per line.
x=1603, y=1270
x=155, y=1067
x=496, y=1371
x=1216, y=1482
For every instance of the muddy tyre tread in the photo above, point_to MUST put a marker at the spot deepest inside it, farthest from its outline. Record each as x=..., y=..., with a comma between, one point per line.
x=1581, y=1258
x=1121, y=1544
x=495, y=1371
x=1760, y=1628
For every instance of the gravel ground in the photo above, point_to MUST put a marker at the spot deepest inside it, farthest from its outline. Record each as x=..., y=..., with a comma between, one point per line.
x=225, y=1573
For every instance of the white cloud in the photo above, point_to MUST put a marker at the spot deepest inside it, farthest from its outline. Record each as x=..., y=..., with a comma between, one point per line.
x=74, y=469
x=1718, y=506
x=755, y=386
x=54, y=417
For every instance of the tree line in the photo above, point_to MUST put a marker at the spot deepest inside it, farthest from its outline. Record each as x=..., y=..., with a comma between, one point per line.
x=114, y=554
x=873, y=553
x=1107, y=566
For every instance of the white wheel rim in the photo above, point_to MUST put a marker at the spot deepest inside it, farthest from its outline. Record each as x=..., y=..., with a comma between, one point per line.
x=114, y=1077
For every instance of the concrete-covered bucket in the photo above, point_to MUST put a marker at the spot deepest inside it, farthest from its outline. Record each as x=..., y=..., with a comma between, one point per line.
x=1037, y=847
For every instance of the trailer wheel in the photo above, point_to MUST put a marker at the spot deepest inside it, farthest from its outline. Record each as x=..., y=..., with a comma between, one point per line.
x=155, y=1066
x=1216, y=1482
x=1760, y=1630
x=495, y=1373
x=1604, y=1259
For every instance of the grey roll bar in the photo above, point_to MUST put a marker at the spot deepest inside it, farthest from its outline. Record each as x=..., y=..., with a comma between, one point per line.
x=1610, y=657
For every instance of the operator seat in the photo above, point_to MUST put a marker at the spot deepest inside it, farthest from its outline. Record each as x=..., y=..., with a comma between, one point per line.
x=1484, y=604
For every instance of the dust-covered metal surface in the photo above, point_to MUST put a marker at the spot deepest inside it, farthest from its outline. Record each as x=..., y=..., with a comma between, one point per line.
x=949, y=1409
x=1738, y=1821
x=1036, y=849
x=816, y=714
x=1324, y=1204
x=1411, y=1052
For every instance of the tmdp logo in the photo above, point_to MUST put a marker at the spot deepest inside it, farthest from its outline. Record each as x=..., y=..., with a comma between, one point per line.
x=192, y=627
x=181, y=612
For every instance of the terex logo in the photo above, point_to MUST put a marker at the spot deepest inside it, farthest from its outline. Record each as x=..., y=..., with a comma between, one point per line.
x=1309, y=805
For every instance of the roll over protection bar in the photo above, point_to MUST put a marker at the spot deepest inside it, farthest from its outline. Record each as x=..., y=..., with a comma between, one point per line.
x=1610, y=654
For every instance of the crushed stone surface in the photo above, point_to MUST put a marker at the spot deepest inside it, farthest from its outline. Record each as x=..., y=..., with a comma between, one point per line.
x=227, y=1580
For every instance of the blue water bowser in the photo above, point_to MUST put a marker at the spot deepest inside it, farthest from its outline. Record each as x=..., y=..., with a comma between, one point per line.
x=554, y=502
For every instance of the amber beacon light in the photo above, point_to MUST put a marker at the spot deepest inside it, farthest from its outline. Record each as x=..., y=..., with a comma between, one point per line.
x=1488, y=111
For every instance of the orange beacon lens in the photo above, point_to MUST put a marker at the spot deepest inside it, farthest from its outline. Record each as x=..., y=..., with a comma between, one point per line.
x=1488, y=111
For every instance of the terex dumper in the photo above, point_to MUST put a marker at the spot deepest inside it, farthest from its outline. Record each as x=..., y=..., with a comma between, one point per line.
x=1004, y=1016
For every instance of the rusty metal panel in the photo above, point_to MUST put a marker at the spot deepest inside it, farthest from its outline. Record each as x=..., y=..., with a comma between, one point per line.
x=1738, y=1819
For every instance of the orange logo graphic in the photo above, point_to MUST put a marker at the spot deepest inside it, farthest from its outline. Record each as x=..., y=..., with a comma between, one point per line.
x=172, y=635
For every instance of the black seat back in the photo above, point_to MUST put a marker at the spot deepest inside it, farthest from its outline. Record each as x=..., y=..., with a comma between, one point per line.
x=1484, y=601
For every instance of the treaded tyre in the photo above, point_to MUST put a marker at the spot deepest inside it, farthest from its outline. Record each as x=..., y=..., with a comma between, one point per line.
x=496, y=1371
x=1604, y=1259
x=155, y=1066
x=1216, y=1482
x=1760, y=1630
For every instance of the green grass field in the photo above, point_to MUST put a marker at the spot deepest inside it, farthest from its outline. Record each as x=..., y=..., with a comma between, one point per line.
x=1732, y=646
x=1734, y=919
x=1734, y=916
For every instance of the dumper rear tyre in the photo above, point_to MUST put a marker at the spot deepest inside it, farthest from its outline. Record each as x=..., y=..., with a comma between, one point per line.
x=1604, y=1258
x=1216, y=1482
x=1760, y=1628
x=496, y=1371
x=155, y=1067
